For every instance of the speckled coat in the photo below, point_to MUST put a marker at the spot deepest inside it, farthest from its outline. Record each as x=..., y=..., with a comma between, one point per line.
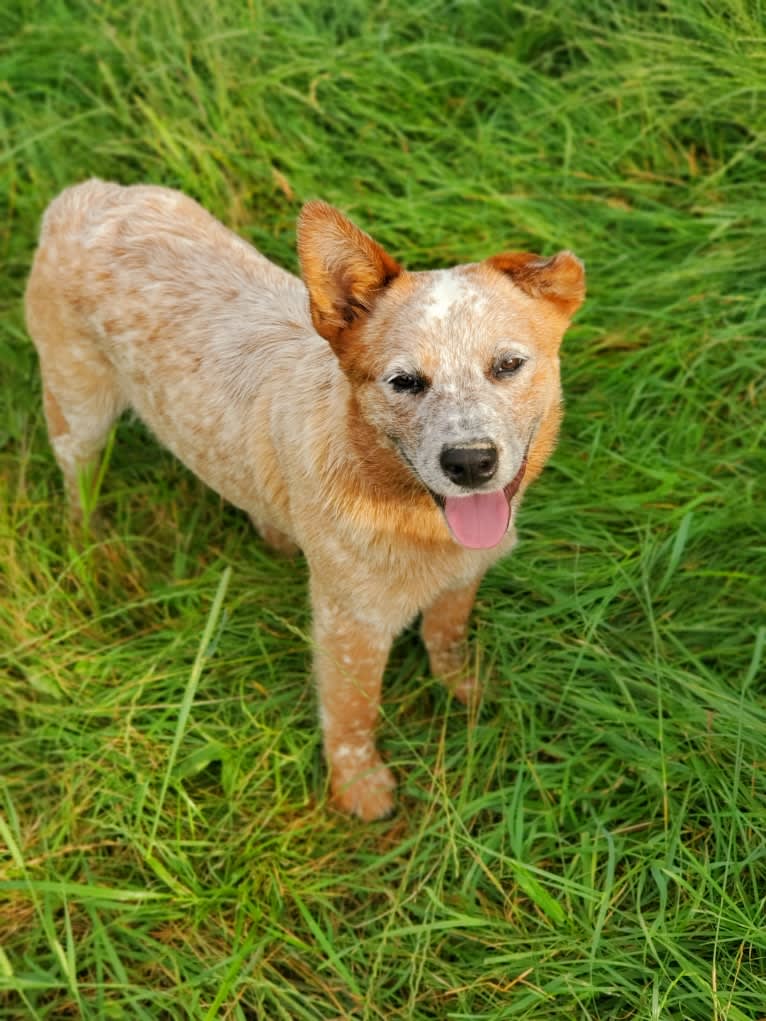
x=286, y=399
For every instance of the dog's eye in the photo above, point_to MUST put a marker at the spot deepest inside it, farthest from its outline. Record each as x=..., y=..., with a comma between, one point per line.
x=407, y=382
x=507, y=366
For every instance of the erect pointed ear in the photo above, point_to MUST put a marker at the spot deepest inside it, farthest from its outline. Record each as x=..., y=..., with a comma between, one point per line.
x=560, y=279
x=343, y=269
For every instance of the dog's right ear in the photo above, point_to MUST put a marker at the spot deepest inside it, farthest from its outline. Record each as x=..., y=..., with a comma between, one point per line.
x=343, y=269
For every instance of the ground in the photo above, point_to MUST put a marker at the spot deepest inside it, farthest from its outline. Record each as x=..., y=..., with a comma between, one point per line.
x=591, y=844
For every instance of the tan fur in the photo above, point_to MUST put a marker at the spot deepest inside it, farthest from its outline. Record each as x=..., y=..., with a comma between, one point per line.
x=279, y=396
x=444, y=627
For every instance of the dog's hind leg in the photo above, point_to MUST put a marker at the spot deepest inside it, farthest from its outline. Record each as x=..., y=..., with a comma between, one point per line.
x=81, y=401
x=82, y=397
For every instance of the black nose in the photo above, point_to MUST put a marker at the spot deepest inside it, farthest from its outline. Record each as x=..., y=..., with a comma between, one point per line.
x=469, y=466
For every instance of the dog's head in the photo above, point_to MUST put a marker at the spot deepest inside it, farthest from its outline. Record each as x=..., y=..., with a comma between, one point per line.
x=456, y=370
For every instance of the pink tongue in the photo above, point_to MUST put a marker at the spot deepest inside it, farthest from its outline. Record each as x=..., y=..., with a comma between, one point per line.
x=478, y=521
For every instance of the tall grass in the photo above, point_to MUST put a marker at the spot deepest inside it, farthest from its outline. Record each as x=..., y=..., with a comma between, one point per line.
x=592, y=846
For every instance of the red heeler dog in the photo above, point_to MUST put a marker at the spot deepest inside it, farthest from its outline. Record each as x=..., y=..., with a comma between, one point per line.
x=385, y=422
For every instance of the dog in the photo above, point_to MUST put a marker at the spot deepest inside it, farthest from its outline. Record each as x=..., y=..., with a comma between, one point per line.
x=385, y=422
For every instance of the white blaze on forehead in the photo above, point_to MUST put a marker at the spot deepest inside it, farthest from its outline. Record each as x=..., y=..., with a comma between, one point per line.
x=447, y=289
x=451, y=316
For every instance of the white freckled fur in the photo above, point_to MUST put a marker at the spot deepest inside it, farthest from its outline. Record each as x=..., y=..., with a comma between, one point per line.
x=139, y=299
x=448, y=289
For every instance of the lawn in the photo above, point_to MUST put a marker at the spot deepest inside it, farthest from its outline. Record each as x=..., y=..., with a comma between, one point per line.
x=593, y=844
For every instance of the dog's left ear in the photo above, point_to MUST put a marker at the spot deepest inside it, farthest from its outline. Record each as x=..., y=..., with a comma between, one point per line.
x=343, y=269
x=560, y=279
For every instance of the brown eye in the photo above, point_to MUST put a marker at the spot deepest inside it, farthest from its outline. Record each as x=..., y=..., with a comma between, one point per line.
x=408, y=383
x=507, y=366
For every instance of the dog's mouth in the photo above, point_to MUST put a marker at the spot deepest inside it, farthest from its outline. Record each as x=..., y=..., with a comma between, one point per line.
x=480, y=520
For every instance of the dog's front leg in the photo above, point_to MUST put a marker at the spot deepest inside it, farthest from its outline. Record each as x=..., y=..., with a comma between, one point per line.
x=350, y=657
x=444, y=628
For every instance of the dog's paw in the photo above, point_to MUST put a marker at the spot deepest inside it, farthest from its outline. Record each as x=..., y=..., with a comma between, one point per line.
x=466, y=688
x=366, y=793
x=451, y=665
x=461, y=682
x=87, y=529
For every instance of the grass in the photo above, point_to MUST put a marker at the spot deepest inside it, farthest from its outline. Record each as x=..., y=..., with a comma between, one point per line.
x=594, y=847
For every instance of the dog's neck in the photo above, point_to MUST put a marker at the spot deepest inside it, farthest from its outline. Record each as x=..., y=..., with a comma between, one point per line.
x=384, y=488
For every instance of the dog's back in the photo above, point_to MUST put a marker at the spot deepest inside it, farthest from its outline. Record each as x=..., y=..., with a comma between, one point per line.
x=121, y=261
x=140, y=298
